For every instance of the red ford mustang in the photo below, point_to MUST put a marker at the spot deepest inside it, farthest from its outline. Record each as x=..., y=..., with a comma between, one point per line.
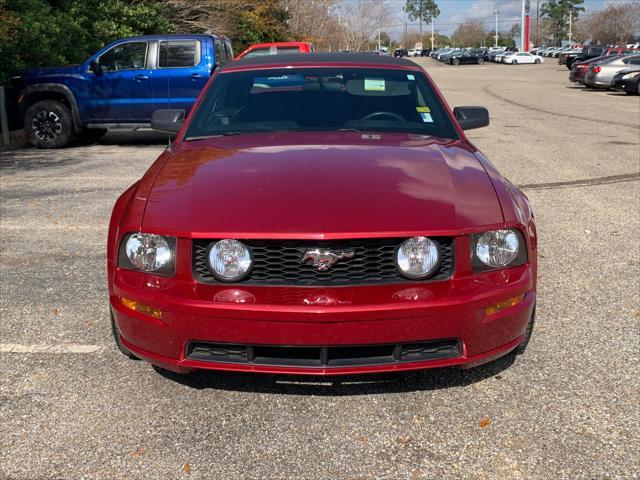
x=321, y=214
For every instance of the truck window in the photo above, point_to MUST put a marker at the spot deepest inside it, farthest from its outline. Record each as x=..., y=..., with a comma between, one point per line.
x=218, y=51
x=282, y=50
x=178, y=53
x=258, y=52
x=227, y=47
x=125, y=56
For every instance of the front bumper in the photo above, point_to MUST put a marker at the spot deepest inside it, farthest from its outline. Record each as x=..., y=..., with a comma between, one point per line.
x=625, y=85
x=323, y=317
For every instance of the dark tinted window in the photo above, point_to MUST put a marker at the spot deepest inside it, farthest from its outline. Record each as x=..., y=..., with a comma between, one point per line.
x=228, y=50
x=635, y=60
x=126, y=56
x=178, y=54
x=321, y=99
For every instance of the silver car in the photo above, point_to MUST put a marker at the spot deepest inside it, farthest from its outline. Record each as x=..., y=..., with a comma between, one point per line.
x=601, y=74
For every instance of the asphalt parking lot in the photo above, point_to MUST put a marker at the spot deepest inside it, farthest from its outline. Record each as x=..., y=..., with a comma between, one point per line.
x=71, y=406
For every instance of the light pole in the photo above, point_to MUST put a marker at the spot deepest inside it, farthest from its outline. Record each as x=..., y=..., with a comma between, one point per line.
x=496, y=13
x=431, y=32
x=570, y=20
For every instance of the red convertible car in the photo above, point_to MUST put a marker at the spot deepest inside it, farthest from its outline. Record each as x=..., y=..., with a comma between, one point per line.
x=321, y=214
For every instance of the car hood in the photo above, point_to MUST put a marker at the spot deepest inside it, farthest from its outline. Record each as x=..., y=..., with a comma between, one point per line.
x=318, y=185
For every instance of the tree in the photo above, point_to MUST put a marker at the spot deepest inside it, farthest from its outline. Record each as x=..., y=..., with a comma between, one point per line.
x=421, y=9
x=361, y=21
x=616, y=24
x=469, y=34
x=557, y=11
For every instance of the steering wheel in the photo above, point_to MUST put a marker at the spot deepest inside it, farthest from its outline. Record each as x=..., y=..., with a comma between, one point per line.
x=395, y=116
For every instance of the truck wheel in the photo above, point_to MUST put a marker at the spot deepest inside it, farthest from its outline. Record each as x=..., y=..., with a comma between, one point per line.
x=48, y=124
x=116, y=336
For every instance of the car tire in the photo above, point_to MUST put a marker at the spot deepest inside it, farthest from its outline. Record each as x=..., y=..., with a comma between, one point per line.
x=49, y=124
x=638, y=88
x=455, y=61
x=480, y=61
x=116, y=336
x=528, y=332
x=514, y=62
x=538, y=60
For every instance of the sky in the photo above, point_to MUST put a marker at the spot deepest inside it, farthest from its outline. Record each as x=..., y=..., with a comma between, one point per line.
x=454, y=12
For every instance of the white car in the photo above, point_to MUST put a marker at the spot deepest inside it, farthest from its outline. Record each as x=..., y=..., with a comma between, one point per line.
x=522, y=57
x=414, y=52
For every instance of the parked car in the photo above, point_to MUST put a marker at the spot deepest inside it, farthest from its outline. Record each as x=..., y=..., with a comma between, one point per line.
x=425, y=52
x=298, y=276
x=500, y=58
x=601, y=74
x=119, y=86
x=587, y=53
x=441, y=53
x=446, y=57
x=627, y=81
x=400, y=52
x=494, y=53
x=414, y=52
x=522, y=57
x=564, y=56
x=580, y=69
x=474, y=55
x=275, y=48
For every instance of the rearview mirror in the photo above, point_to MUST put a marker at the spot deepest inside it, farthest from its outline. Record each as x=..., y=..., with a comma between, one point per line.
x=167, y=120
x=471, y=117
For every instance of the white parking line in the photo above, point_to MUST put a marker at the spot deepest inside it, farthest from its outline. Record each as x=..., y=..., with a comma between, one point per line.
x=63, y=348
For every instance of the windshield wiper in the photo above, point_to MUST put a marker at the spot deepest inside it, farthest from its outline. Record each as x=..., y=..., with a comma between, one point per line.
x=221, y=134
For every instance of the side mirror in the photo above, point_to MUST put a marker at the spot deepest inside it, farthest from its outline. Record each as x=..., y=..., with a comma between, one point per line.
x=94, y=67
x=167, y=120
x=471, y=117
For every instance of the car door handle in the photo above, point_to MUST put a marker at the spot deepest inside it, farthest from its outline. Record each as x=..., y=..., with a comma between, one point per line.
x=139, y=78
x=195, y=76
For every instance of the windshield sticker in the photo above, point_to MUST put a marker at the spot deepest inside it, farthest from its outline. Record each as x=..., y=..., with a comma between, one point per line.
x=374, y=84
x=423, y=109
x=410, y=77
x=426, y=117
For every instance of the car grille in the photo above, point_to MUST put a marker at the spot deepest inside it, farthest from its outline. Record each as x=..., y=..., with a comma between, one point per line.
x=322, y=356
x=277, y=262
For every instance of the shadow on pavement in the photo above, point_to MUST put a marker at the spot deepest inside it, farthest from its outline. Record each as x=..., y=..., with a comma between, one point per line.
x=421, y=380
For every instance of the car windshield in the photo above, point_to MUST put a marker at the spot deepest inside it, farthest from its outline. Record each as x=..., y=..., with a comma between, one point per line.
x=320, y=99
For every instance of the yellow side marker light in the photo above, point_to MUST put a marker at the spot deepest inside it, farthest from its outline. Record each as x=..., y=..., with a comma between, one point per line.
x=510, y=302
x=141, y=308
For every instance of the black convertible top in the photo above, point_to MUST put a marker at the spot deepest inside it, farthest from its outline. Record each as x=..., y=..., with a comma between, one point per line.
x=297, y=58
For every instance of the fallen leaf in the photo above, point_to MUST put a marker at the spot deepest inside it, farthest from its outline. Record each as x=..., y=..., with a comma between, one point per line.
x=403, y=440
x=55, y=311
x=186, y=468
x=637, y=314
x=485, y=422
x=362, y=439
x=138, y=453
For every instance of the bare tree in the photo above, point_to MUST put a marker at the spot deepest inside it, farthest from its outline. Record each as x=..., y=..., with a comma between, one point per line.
x=362, y=20
x=469, y=34
x=616, y=24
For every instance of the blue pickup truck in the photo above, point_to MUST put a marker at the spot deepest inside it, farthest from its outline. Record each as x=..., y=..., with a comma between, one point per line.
x=119, y=87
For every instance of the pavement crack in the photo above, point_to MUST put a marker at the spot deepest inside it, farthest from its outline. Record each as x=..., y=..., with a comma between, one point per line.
x=488, y=91
x=627, y=177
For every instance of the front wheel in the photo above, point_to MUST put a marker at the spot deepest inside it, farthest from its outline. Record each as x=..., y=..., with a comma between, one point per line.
x=515, y=62
x=480, y=61
x=455, y=61
x=537, y=60
x=48, y=124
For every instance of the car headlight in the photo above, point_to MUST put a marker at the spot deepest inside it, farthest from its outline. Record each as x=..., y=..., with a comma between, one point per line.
x=499, y=248
x=417, y=257
x=631, y=75
x=148, y=252
x=230, y=260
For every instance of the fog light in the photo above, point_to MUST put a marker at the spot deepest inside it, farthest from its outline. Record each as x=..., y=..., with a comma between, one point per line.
x=141, y=308
x=510, y=302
